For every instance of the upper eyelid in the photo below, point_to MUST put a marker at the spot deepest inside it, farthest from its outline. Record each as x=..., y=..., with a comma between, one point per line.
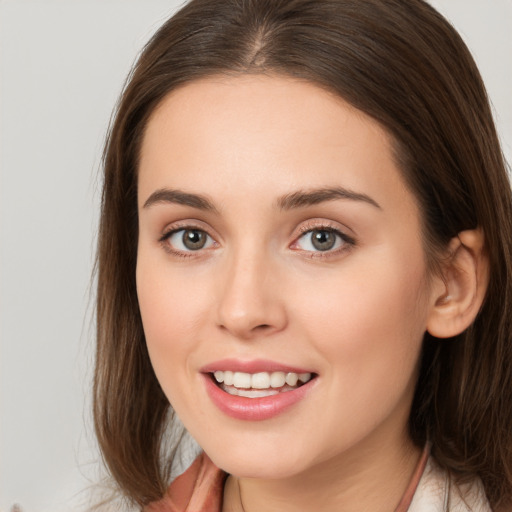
x=320, y=227
x=173, y=227
x=319, y=224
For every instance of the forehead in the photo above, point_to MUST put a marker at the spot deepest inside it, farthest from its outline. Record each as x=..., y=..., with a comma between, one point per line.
x=231, y=133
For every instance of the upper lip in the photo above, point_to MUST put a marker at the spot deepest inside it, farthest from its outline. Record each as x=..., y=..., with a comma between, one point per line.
x=252, y=366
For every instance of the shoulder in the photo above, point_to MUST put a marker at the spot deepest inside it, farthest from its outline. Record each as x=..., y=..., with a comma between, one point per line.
x=198, y=489
x=436, y=492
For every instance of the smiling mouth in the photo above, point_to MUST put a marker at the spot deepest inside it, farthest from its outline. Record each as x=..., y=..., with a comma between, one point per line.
x=261, y=384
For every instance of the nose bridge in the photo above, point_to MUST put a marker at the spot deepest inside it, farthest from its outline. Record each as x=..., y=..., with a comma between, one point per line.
x=250, y=300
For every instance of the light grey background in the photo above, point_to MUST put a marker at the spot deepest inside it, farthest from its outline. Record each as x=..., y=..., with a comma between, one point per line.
x=62, y=65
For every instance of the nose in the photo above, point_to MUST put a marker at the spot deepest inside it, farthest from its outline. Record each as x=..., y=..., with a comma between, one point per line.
x=251, y=302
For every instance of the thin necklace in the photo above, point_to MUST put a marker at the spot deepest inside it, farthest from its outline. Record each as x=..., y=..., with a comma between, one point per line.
x=240, y=494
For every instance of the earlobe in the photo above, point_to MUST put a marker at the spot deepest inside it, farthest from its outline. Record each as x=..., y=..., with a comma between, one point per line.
x=461, y=289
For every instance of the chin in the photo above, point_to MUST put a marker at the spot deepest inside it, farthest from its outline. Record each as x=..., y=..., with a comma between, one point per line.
x=263, y=470
x=273, y=463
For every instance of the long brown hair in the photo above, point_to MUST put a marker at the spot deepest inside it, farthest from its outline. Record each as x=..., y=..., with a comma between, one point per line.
x=400, y=62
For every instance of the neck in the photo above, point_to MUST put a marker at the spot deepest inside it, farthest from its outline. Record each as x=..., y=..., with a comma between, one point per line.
x=365, y=478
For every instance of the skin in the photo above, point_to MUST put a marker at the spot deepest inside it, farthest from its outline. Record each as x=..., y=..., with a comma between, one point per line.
x=355, y=315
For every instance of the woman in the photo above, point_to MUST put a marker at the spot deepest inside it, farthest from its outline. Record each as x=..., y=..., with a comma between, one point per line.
x=305, y=251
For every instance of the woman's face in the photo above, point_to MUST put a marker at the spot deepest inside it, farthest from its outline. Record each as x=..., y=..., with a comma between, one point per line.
x=277, y=238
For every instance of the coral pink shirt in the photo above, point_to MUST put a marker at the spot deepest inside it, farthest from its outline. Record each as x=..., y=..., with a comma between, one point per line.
x=200, y=488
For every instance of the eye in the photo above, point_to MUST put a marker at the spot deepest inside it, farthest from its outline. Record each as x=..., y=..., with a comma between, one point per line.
x=321, y=240
x=187, y=240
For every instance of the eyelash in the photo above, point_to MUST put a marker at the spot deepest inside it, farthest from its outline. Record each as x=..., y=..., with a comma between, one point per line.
x=347, y=241
x=164, y=240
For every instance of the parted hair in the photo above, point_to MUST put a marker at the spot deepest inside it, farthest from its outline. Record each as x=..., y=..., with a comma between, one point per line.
x=403, y=64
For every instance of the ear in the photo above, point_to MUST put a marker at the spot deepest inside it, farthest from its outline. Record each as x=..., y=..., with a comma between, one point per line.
x=459, y=293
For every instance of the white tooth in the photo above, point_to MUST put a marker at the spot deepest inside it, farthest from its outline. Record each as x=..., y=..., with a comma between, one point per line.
x=260, y=380
x=228, y=378
x=291, y=379
x=277, y=379
x=219, y=376
x=242, y=380
x=304, y=377
x=257, y=393
x=231, y=390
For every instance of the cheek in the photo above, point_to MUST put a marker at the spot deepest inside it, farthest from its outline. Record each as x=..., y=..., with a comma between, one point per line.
x=368, y=321
x=173, y=311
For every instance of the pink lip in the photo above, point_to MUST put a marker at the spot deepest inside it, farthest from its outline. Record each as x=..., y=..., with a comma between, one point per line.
x=254, y=366
x=255, y=409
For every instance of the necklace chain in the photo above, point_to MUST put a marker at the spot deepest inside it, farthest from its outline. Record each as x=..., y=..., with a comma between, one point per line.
x=240, y=495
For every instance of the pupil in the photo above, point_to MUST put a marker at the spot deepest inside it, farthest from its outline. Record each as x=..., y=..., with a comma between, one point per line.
x=323, y=240
x=194, y=239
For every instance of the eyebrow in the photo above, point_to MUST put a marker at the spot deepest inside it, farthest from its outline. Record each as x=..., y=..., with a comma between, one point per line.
x=166, y=195
x=304, y=198
x=298, y=199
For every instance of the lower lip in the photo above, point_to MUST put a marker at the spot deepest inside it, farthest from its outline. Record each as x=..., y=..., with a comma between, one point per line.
x=255, y=409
